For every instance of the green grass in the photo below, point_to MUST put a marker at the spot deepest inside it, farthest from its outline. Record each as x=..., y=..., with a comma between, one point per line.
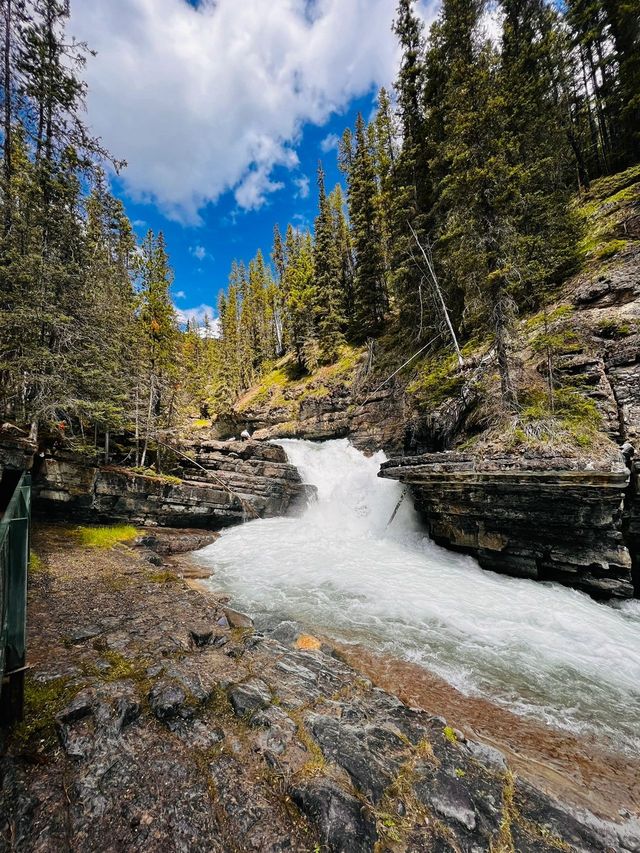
x=153, y=474
x=37, y=565
x=285, y=387
x=43, y=700
x=603, y=210
x=575, y=419
x=105, y=537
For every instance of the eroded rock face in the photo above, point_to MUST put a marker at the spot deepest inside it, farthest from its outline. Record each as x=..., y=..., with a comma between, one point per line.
x=543, y=518
x=240, y=480
x=371, y=419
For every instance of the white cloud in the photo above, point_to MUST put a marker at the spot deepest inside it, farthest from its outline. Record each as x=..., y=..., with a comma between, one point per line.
x=209, y=99
x=199, y=252
x=180, y=294
x=329, y=143
x=198, y=314
x=302, y=185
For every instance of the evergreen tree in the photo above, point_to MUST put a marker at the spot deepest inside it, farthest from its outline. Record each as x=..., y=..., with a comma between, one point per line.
x=328, y=309
x=370, y=294
x=344, y=248
x=159, y=337
x=412, y=191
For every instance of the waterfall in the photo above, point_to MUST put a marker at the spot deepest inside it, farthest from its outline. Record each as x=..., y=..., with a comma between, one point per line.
x=540, y=649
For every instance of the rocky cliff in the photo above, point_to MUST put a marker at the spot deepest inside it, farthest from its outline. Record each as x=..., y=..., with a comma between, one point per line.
x=221, y=483
x=340, y=400
x=548, y=519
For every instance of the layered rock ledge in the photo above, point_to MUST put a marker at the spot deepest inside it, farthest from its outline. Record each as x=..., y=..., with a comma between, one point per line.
x=551, y=519
x=222, y=483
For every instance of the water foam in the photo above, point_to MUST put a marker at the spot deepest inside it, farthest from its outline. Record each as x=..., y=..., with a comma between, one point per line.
x=540, y=649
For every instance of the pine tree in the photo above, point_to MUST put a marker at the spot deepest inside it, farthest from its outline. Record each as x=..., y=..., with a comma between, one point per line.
x=300, y=298
x=328, y=309
x=344, y=248
x=159, y=335
x=412, y=189
x=370, y=292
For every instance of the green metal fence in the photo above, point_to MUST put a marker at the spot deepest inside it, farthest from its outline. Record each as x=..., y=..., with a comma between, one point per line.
x=14, y=557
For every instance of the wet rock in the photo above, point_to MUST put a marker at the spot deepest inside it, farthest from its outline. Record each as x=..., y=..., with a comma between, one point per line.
x=450, y=800
x=237, y=619
x=343, y=823
x=167, y=542
x=366, y=755
x=249, y=697
x=487, y=755
x=279, y=731
x=167, y=701
x=84, y=634
x=128, y=711
x=69, y=488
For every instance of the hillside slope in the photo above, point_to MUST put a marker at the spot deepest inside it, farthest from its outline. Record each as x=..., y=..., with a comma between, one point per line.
x=588, y=337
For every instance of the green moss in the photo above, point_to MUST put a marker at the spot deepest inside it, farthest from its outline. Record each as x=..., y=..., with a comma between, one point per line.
x=105, y=537
x=603, y=210
x=43, y=700
x=560, y=312
x=449, y=734
x=560, y=341
x=438, y=379
x=613, y=247
x=153, y=474
x=121, y=668
x=611, y=187
x=503, y=841
x=614, y=329
x=162, y=577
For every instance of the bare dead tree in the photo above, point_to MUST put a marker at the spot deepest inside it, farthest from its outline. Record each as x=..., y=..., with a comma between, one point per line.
x=433, y=279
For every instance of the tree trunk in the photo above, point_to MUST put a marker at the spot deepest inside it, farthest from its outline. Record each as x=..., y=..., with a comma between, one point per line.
x=438, y=291
x=148, y=430
x=8, y=200
x=500, y=323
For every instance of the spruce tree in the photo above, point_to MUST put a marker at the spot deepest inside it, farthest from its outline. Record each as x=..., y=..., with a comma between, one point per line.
x=328, y=309
x=412, y=191
x=370, y=293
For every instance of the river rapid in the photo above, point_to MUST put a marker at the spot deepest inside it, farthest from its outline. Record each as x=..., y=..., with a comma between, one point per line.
x=341, y=570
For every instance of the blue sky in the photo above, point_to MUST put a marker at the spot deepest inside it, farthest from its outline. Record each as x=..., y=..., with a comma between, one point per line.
x=201, y=255
x=220, y=108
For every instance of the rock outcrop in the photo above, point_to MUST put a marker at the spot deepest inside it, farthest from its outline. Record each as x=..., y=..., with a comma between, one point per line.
x=153, y=726
x=222, y=483
x=371, y=420
x=550, y=519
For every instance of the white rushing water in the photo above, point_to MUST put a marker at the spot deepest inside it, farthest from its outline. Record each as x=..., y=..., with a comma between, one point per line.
x=539, y=649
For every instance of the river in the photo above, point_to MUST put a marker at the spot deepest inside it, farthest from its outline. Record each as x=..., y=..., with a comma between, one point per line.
x=541, y=650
